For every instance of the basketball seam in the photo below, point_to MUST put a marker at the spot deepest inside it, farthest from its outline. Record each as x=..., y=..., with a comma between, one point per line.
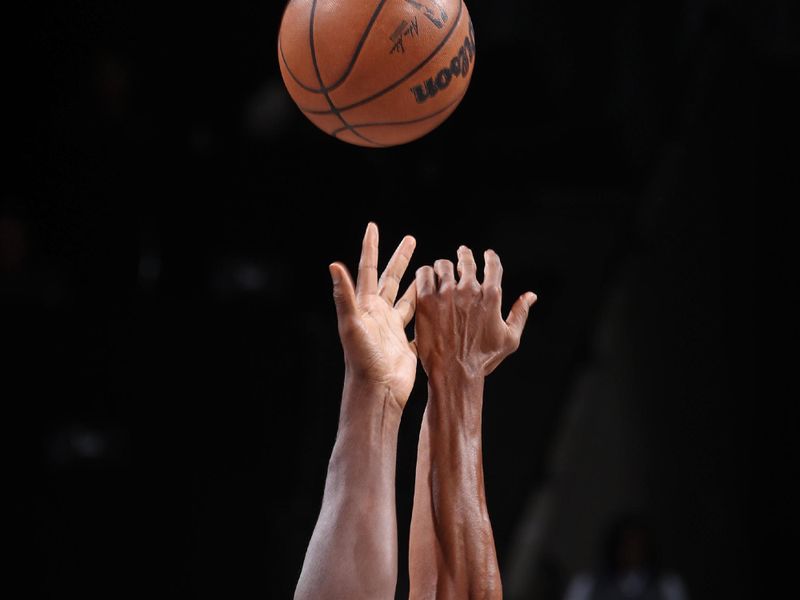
x=333, y=110
x=337, y=110
x=289, y=69
x=410, y=121
x=357, y=52
x=350, y=66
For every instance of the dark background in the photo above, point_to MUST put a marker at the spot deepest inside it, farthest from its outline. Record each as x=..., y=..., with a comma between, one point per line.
x=172, y=367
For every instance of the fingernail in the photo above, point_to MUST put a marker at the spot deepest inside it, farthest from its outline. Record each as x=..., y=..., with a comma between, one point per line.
x=532, y=297
x=334, y=273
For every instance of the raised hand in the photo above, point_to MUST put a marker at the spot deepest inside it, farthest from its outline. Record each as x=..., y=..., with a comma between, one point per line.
x=371, y=324
x=461, y=337
x=459, y=324
x=353, y=550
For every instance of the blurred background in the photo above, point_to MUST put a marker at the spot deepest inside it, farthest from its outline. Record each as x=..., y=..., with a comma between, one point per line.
x=172, y=372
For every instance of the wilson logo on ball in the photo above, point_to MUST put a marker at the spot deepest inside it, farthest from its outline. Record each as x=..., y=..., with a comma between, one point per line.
x=459, y=67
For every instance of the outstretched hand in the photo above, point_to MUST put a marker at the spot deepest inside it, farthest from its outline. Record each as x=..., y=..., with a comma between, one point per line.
x=459, y=323
x=371, y=324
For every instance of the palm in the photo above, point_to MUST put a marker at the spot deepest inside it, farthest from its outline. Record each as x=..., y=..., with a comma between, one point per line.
x=371, y=325
x=379, y=348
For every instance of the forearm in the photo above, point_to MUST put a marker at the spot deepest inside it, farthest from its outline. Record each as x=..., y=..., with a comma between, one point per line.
x=353, y=550
x=452, y=553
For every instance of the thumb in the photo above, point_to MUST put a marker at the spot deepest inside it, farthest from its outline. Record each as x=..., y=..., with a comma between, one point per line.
x=343, y=291
x=519, y=314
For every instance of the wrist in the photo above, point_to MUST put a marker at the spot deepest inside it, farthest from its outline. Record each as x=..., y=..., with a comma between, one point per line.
x=455, y=398
x=455, y=376
x=366, y=402
x=366, y=441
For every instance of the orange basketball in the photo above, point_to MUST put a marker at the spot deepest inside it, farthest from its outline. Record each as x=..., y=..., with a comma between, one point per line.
x=376, y=72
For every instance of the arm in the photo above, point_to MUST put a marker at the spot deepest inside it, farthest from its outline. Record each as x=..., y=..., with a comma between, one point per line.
x=353, y=550
x=461, y=337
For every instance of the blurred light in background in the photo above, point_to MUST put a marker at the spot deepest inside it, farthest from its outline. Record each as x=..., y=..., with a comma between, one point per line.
x=269, y=112
x=80, y=444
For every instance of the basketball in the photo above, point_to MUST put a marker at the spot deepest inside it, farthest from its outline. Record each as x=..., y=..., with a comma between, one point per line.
x=376, y=72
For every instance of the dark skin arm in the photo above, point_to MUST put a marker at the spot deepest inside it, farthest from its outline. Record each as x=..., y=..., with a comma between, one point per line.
x=353, y=550
x=461, y=337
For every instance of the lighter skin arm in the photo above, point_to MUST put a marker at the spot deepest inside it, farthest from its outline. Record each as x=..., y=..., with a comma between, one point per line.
x=353, y=549
x=461, y=337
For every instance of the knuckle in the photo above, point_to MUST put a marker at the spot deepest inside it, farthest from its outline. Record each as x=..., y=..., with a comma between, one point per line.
x=409, y=304
x=424, y=302
x=443, y=265
x=340, y=302
x=390, y=277
x=469, y=292
x=493, y=292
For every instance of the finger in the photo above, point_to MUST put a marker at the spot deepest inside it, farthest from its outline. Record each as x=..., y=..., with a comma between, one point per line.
x=390, y=279
x=519, y=314
x=407, y=303
x=492, y=269
x=343, y=293
x=466, y=266
x=424, y=281
x=444, y=271
x=368, y=265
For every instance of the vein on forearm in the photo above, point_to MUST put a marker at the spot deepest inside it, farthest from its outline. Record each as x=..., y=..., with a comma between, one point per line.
x=452, y=544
